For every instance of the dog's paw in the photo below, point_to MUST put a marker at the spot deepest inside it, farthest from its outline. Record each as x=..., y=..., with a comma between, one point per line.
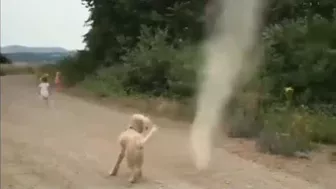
x=131, y=180
x=155, y=129
x=113, y=173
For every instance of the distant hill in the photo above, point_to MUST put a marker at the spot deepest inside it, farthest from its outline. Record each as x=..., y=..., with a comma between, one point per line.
x=17, y=53
x=35, y=57
x=24, y=49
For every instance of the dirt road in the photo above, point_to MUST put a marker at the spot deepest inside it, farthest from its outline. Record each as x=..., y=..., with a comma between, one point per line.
x=73, y=145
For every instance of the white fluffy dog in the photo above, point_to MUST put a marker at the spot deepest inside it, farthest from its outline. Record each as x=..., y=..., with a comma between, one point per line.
x=132, y=145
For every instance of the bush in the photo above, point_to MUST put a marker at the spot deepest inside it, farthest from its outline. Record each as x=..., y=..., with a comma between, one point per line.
x=106, y=82
x=285, y=132
x=153, y=68
x=157, y=68
x=243, y=115
x=4, y=59
x=275, y=142
x=300, y=53
x=74, y=69
x=51, y=69
x=323, y=128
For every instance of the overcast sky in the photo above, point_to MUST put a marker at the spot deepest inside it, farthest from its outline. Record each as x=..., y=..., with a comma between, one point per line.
x=43, y=23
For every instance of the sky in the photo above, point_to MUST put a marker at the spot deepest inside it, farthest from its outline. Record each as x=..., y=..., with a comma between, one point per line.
x=47, y=23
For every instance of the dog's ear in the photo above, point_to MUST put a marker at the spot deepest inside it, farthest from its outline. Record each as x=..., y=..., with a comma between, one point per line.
x=136, y=124
x=147, y=124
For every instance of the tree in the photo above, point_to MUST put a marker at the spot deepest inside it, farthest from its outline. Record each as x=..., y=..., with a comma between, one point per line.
x=4, y=59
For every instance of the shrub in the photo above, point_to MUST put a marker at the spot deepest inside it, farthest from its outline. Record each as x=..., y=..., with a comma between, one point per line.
x=106, y=82
x=153, y=67
x=75, y=68
x=285, y=132
x=243, y=115
x=300, y=53
x=4, y=59
x=148, y=63
x=51, y=69
x=323, y=128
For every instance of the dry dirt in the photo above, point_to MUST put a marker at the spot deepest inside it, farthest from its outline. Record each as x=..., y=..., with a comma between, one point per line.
x=73, y=145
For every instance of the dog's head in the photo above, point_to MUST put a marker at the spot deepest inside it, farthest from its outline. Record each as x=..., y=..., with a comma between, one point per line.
x=140, y=123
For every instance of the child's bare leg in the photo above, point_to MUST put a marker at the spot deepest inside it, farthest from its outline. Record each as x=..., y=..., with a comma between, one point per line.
x=46, y=99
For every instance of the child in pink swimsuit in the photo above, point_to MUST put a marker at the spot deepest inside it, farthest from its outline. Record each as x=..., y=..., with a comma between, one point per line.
x=58, y=82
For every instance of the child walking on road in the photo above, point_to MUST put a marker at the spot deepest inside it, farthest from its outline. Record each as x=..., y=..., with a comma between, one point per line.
x=44, y=87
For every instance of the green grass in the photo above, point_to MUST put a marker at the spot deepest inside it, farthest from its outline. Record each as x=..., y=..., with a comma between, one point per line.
x=277, y=129
x=290, y=130
x=10, y=69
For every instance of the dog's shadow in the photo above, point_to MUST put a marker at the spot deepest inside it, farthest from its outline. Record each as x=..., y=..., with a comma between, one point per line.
x=122, y=180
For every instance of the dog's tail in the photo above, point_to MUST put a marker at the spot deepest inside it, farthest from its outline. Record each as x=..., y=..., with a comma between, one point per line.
x=149, y=134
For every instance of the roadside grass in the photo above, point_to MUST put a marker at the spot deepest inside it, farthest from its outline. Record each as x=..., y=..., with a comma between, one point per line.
x=11, y=69
x=277, y=129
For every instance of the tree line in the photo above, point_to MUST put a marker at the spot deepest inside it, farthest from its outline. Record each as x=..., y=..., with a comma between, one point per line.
x=153, y=48
x=298, y=37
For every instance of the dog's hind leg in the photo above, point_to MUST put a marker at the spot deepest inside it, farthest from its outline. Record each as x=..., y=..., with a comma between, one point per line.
x=140, y=173
x=135, y=175
x=132, y=178
x=115, y=169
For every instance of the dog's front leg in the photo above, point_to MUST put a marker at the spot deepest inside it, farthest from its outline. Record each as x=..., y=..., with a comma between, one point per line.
x=115, y=169
x=149, y=134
